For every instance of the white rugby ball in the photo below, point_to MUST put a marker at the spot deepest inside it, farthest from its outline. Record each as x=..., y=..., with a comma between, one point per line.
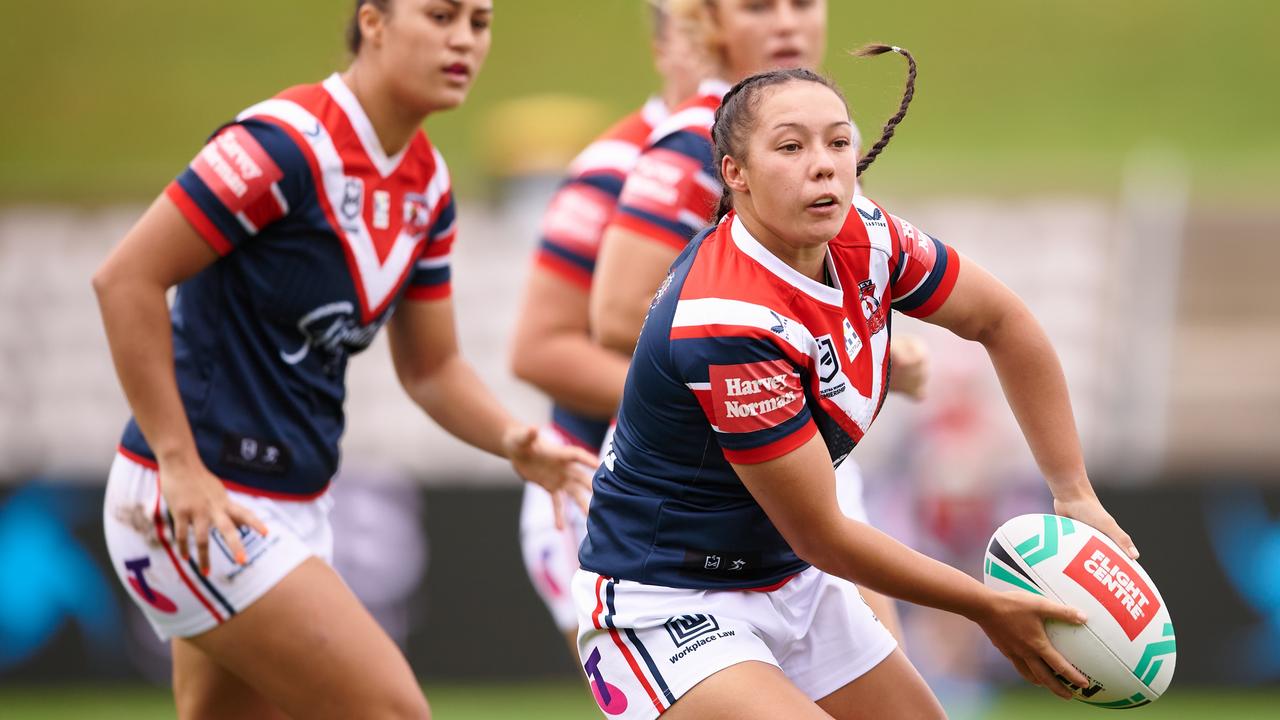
x=1127, y=648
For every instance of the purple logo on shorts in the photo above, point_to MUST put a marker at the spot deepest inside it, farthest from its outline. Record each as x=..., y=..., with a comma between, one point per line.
x=608, y=697
x=149, y=594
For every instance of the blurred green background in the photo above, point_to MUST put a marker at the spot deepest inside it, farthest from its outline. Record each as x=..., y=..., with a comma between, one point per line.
x=108, y=100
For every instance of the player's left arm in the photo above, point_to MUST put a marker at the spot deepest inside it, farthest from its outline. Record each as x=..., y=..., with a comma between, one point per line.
x=424, y=350
x=983, y=309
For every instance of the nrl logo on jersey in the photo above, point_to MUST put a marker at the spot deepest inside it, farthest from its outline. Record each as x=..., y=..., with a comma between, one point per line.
x=871, y=309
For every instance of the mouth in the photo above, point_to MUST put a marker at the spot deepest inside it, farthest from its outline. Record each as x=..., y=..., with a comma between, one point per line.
x=787, y=57
x=824, y=204
x=458, y=71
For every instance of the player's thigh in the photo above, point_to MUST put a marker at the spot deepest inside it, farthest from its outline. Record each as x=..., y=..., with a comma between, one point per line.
x=311, y=648
x=747, y=691
x=892, y=689
x=204, y=689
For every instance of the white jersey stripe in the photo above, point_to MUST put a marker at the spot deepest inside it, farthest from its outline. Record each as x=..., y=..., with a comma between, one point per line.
x=378, y=279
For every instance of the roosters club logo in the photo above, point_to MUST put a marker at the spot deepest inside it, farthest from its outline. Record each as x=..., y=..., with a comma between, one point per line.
x=871, y=308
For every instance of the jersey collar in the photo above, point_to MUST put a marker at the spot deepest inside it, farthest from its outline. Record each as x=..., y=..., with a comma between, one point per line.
x=715, y=87
x=814, y=289
x=350, y=105
x=655, y=110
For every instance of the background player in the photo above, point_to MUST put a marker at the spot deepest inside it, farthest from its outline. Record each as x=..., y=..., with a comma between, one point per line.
x=552, y=348
x=296, y=233
x=672, y=191
x=714, y=542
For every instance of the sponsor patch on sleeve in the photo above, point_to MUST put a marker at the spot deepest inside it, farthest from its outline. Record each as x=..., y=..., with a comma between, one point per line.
x=755, y=396
x=663, y=183
x=577, y=217
x=1110, y=579
x=236, y=168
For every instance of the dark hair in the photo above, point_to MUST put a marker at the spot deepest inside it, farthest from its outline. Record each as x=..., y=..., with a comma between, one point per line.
x=908, y=93
x=658, y=19
x=736, y=113
x=354, y=38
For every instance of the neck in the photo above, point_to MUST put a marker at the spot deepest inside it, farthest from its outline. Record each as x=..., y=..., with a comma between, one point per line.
x=808, y=261
x=393, y=124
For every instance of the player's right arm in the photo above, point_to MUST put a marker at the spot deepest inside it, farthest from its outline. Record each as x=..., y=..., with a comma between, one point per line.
x=797, y=492
x=160, y=251
x=552, y=348
x=245, y=178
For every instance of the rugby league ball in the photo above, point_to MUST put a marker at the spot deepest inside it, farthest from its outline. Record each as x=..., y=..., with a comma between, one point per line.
x=1127, y=647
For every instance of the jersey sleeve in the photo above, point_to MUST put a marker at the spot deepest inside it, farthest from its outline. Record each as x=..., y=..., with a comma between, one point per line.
x=672, y=191
x=431, y=276
x=751, y=392
x=574, y=224
x=925, y=270
x=249, y=175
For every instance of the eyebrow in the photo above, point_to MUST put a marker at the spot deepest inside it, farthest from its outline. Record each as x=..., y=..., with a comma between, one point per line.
x=458, y=4
x=798, y=125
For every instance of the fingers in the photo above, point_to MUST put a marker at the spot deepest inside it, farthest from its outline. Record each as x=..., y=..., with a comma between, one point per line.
x=582, y=456
x=201, y=529
x=1051, y=610
x=241, y=515
x=581, y=493
x=1023, y=670
x=1044, y=676
x=1061, y=666
x=181, y=531
x=557, y=499
x=1125, y=542
x=231, y=537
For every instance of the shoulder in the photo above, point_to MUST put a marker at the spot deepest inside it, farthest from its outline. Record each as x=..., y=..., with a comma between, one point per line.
x=695, y=116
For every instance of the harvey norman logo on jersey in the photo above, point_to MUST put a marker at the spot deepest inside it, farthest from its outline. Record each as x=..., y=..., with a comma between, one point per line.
x=1111, y=580
x=755, y=396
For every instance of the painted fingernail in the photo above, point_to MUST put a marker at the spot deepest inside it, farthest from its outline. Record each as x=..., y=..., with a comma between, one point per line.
x=206, y=570
x=241, y=558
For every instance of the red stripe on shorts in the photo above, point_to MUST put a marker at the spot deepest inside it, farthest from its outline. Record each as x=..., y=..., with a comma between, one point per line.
x=626, y=654
x=173, y=556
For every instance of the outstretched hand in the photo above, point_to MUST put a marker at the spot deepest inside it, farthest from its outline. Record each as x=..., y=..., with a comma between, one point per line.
x=562, y=470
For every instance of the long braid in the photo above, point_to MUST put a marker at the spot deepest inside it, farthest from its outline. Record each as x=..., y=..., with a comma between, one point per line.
x=887, y=134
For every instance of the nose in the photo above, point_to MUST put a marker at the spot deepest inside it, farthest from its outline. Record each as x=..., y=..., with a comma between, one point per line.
x=786, y=19
x=462, y=36
x=823, y=165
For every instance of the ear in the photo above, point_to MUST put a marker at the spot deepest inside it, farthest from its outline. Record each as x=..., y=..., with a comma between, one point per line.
x=371, y=21
x=735, y=175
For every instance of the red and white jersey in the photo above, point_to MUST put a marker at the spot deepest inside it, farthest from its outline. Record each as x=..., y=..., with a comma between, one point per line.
x=742, y=359
x=574, y=225
x=320, y=234
x=674, y=188
x=580, y=210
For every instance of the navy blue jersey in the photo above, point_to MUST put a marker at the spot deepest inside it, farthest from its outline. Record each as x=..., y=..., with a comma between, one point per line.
x=741, y=360
x=320, y=236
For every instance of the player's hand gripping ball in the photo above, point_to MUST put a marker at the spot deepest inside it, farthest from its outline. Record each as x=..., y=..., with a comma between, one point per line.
x=1127, y=647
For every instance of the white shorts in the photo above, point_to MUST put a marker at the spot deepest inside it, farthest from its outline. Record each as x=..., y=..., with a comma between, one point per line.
x=551, y=555
x=644, y=646
x=175, y=597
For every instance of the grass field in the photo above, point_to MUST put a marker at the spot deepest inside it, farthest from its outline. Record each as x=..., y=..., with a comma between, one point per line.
x=568, y=701
x=108, y=100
